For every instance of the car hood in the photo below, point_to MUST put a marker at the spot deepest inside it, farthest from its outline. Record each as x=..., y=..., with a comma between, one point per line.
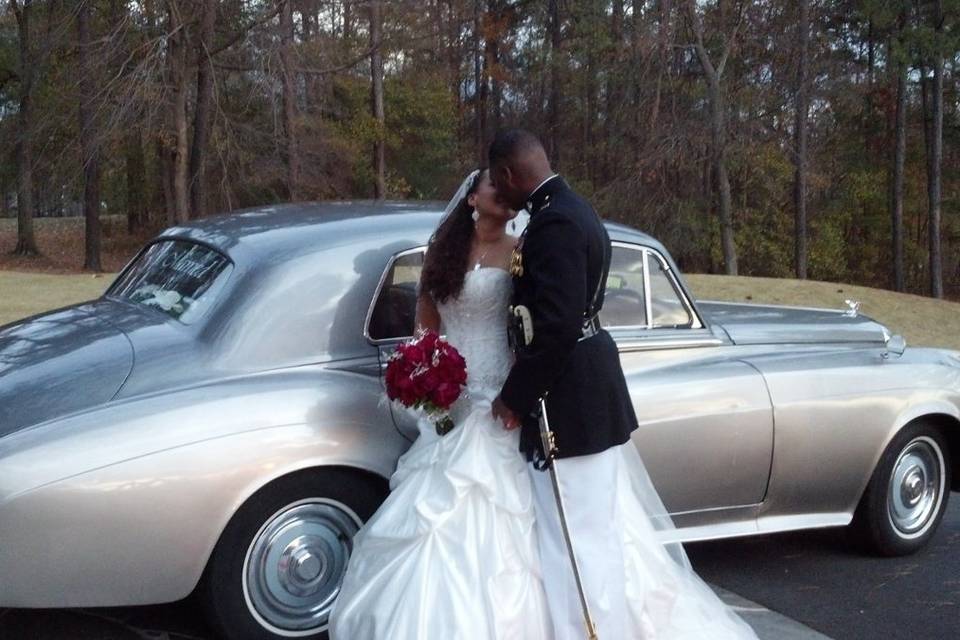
x=59, y=362
x=774, y=324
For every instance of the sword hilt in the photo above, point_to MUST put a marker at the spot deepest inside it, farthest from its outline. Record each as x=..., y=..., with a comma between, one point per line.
x=550, y=444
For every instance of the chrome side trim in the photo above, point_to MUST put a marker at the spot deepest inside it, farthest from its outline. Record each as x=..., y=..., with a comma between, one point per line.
x=769, y=524
x=376, y=295
x=652, y=344
x=779, y=306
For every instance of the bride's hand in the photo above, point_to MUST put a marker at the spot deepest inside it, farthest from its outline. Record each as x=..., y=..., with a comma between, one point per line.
x=503, y=413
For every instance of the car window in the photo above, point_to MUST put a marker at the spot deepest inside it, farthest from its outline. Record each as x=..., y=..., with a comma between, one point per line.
x=666, y=307
x=177, y=277
x=623, y=301
x=396, y=304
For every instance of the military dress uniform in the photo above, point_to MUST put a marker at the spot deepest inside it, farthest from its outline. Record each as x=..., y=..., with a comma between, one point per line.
x=559, y=270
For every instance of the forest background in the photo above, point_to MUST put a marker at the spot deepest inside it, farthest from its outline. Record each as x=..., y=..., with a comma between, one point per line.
x=788, y=138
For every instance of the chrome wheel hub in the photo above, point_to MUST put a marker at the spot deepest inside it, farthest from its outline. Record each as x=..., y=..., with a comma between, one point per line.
x=294, y=566
x=916, y=487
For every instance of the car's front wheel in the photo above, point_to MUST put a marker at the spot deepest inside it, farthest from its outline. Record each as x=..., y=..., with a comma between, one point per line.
x=278, y=565
x=907, y=494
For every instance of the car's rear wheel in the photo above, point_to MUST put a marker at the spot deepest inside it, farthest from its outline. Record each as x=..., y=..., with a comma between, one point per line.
x=907, y=495
x=277, y=568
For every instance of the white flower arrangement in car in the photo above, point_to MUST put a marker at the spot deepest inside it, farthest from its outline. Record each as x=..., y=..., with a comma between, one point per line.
x=167, y=300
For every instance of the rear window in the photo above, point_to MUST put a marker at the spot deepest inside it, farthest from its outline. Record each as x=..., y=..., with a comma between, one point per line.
x=178, y=277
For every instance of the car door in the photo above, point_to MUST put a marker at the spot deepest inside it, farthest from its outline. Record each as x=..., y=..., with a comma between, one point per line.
x=706, y=422
x=391, y=318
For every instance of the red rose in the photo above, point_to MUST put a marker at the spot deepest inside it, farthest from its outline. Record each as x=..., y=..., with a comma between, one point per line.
x=429, y=341
x=430, y=379
x=426, y=369
x=415, y=354
x=445, y=395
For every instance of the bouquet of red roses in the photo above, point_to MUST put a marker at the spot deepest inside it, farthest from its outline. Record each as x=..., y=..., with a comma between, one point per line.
x=427, y=373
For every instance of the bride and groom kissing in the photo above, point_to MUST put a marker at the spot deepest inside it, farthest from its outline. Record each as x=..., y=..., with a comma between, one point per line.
x=470, y=543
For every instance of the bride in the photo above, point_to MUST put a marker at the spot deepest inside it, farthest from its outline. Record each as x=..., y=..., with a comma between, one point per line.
x=452, y=552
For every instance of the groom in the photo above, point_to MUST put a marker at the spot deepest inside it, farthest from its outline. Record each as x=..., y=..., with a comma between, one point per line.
x=563, y=264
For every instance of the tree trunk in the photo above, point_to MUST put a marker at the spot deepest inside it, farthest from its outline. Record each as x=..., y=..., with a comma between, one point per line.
x=136, y=178
x=308, y=21
x=556, y=94
x=492, y=60
x=927, y=119
x=376, y=86
x=477, y=79
x=89, y=152
x=663, y=68
x=347, y=19
x=713, y=75
x=287, y=71
x=936, y=160
x=177, y=60
x=165, y=174
x=800, y=142
x=717, y=133
x=26, y=241
x=202, y=114
x=612, y=121
x=899, y=156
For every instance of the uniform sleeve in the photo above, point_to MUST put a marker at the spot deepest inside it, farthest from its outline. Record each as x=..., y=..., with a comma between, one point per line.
x=555, y=259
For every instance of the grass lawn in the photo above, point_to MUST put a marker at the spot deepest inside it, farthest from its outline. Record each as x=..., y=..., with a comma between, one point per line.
x=23, y=294
x=922, y=321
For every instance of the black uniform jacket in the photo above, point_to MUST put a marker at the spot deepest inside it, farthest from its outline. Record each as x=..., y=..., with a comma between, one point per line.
x=565, y=253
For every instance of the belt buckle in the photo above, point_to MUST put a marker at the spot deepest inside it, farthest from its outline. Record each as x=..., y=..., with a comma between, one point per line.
x=589, y=329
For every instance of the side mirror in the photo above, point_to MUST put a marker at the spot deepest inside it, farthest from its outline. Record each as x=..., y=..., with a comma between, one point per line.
x=894, y=344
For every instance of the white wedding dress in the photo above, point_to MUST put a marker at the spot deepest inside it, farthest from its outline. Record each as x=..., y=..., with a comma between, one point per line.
x=452, y=553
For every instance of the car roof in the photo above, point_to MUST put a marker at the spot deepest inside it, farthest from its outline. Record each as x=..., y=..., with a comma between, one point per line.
x=291, y=228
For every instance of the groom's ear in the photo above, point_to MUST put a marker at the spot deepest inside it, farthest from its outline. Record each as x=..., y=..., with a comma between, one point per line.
x=502, y=177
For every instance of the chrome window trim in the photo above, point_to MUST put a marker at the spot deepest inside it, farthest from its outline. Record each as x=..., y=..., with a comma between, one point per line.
x=697, y=321
x=644, y=252
x=647, y=297
x=108, y=292
x=679, y=290
x=376, y=295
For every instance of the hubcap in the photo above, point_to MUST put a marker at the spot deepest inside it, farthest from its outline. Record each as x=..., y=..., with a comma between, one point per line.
x=294, y=566
x=916, y=487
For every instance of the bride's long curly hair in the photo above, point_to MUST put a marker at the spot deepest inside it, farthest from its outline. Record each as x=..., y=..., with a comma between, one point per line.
x=448, y=252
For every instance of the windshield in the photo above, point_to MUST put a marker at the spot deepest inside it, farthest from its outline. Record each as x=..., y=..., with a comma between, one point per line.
x=178, y=277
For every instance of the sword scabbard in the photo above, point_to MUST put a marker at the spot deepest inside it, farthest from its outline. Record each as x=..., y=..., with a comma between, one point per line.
x=549, y=442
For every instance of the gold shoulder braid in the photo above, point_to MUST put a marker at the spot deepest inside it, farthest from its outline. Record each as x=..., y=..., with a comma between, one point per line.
x=516, y=263
x=516, y=258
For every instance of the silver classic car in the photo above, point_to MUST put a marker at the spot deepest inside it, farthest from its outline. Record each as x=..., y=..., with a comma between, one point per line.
x=215, y=423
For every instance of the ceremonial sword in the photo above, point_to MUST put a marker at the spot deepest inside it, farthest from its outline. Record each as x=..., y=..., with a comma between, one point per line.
x=550, y=460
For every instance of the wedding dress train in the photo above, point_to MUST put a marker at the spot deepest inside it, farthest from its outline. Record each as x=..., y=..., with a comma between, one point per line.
x=452, y=553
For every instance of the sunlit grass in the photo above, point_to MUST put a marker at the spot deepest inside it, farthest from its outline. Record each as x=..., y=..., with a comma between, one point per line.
x=922, y=321
x=24, y=294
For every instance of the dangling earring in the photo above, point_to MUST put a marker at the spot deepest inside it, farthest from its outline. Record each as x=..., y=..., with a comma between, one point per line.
x=475, y=215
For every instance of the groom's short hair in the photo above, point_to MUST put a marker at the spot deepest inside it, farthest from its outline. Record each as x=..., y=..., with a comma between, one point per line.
x=510, y=145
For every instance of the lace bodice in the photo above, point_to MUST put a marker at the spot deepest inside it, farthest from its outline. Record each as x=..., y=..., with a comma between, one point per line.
x=475, y=323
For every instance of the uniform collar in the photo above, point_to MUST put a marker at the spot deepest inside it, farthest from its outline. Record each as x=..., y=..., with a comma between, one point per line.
x=540, y=196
